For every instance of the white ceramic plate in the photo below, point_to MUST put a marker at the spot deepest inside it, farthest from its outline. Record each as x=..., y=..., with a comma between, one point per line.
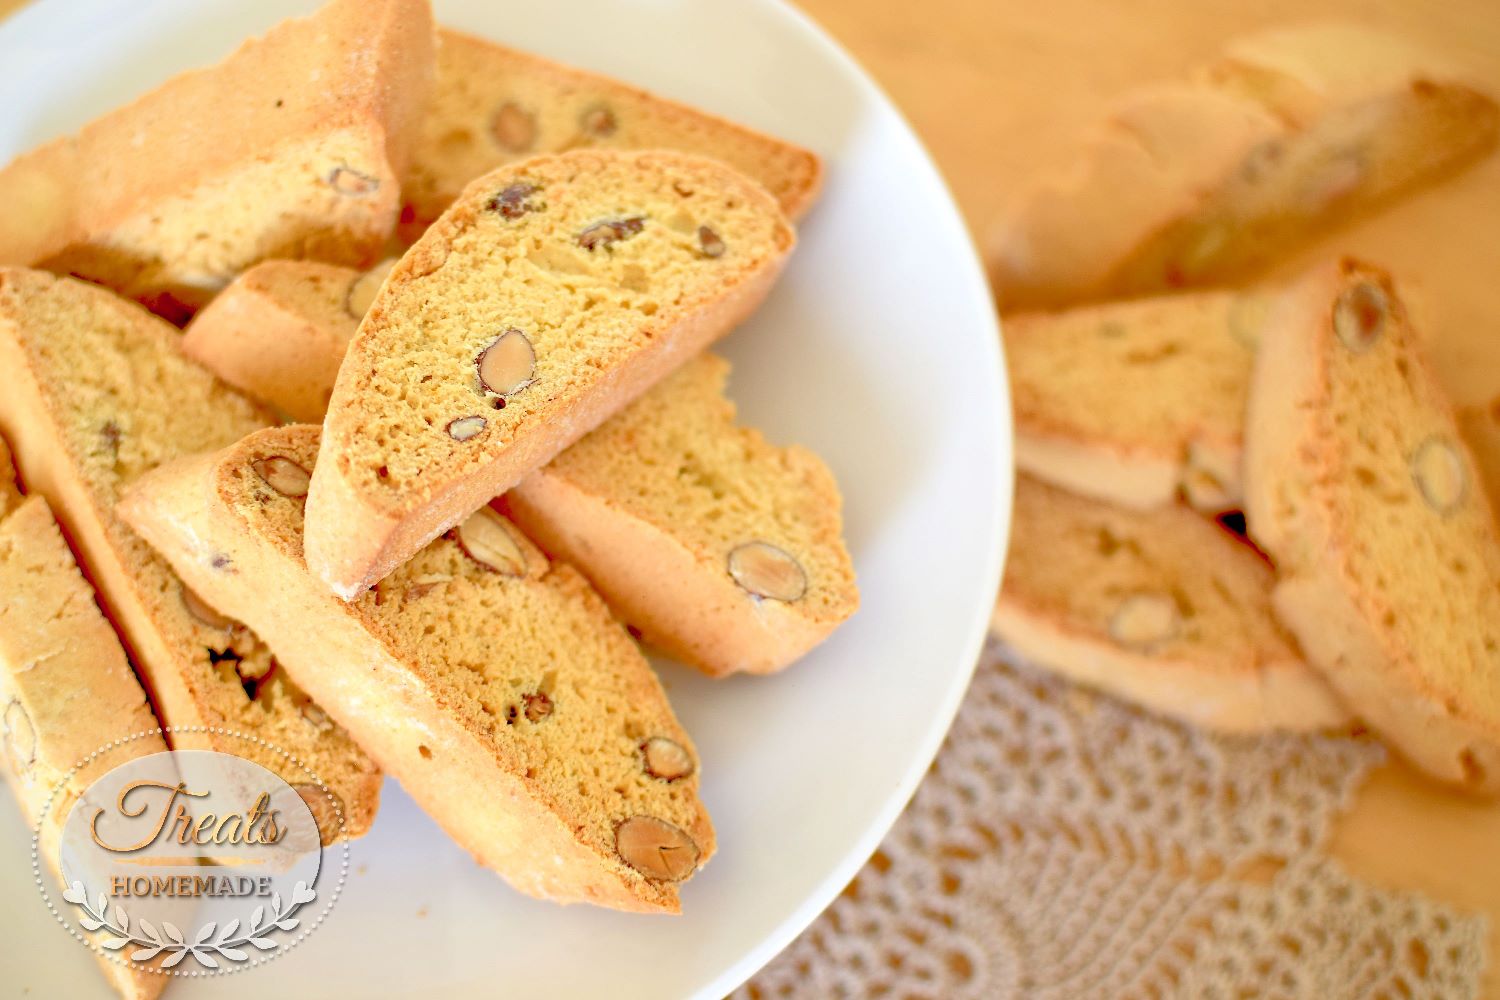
x=879, y=349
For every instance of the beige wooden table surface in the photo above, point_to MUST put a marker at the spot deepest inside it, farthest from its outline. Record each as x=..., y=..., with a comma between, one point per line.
x=997, y=88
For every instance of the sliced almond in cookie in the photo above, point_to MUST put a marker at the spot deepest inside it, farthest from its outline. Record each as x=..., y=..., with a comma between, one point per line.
x=657, y=849
x=487, y=540
x=765, y=570
x=507, y=363
x=283, y=475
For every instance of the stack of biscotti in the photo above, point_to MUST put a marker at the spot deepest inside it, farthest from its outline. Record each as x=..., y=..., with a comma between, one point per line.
x=652, y=506
x=70, y=707
x=1361, y=580
x=554, y=313
x=293, y=146
x=96, y=394
x=553, y=756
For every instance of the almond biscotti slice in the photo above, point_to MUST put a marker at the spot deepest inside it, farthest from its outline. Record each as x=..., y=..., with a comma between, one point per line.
x=1135, y=402
x=1358, y=486
x=650, y=506
x=93, y=393
x=492, y=105
x=1164, y=608
x=1286, y=133
x=718, y=547
x=291, y=147
x=549, y=296
x=493, y=683
x=280, y=331
x=67, y=691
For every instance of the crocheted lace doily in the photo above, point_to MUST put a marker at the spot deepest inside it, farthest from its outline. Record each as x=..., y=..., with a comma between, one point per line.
x=1066, y=846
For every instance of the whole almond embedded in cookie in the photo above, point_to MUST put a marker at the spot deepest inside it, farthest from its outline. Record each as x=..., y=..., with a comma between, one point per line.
x=506, y=366
x=657, y=849
x=463, y=428
x=283, y=475
x=485, y=539
x=1144, y=620
x=1439, y=473
x=767, y=571
x=513, y=127
x=666, y=759
x=1359, y=316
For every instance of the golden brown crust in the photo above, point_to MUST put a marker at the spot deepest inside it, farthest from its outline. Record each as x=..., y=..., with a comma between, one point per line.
x=1389, y=570
x=1162, y=608
x=427, y=710
x=390, y=476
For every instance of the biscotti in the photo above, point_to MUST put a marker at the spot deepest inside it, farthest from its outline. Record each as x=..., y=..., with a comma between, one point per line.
x=1136, y=402
x=292, y=147
x=717, y=547
x=492, y=683
x=1358, y=486
x=1163, y=608
x=1287, y=133
x=67, y=691
x=549, y=296
x=492, y=105
x=280, y=330
x=95, y=394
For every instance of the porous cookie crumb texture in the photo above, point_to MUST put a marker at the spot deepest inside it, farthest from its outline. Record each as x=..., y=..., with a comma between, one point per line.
x=1287, y=133
x=292, y=147
x=716, y=546
x=549, y=296
x=1140, y=402
x=1359, y=486
x=492, y=105
x=1164, y=608
x=97, y=394
x=280, y=330
x=589, y=784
